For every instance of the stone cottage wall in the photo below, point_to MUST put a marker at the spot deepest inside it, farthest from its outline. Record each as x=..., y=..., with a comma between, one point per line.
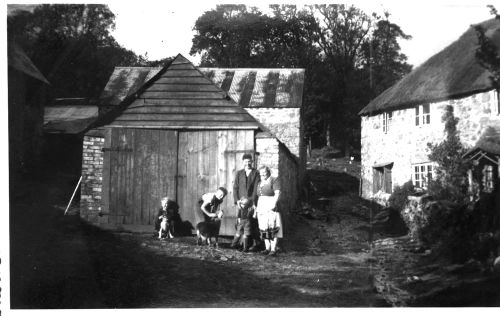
x=267, y=148
x=92, y=168
x=286, y=125
x=405, y=144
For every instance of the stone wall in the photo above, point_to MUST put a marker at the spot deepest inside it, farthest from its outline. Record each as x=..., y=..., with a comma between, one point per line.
x=284, y=123
x=405, y=143
x=92, y=168
x=283, y=165
x=267, y=147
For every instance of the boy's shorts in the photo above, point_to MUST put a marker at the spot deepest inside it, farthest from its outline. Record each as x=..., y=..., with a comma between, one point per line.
x=244, y=228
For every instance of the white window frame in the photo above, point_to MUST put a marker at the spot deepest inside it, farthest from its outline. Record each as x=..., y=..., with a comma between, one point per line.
x=421, y=173
x=421, y=117
x=495, y=105
x=386, y=121
x=487, y=179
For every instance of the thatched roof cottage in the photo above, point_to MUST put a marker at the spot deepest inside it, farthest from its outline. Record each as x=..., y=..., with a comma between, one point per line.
x=398, y=124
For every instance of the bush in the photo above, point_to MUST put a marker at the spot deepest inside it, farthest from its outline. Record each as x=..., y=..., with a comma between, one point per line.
x=399, y=197
x=451, y=170
x=461, y=232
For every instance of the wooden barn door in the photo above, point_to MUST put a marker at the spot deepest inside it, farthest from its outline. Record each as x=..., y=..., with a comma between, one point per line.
x=208, y=160
x=142, y=169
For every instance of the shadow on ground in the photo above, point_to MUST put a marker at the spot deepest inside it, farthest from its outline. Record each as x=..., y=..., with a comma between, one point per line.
x=60, y=262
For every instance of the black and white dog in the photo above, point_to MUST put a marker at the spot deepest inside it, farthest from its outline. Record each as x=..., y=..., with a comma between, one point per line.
x=165, y=228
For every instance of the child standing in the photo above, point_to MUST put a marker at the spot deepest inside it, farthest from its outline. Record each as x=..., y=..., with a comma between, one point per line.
x=243, y=224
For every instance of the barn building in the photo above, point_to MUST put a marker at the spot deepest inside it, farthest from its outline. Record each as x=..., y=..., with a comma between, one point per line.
x=398, y=124
x=181, y=131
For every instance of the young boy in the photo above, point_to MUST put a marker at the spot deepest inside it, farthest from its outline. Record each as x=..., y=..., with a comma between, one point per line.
x=243, y=225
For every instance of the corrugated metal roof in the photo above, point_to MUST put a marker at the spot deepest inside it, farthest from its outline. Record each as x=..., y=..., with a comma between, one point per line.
x=18, y=60
x=68, y=119
x=179, y=96
x=260, y=87
x=125, y=81
x=256, y=87
x=452, y=73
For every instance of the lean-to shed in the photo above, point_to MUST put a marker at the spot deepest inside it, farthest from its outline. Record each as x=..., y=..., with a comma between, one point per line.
x=170, y=131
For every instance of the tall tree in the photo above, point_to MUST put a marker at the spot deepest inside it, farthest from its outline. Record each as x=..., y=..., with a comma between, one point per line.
x=353, y=43
x=329, y=41
x=72, y=46
x=382, y=57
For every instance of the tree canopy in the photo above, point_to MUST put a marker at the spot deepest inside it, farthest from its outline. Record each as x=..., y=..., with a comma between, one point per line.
x=349, y=57
x=72, y=46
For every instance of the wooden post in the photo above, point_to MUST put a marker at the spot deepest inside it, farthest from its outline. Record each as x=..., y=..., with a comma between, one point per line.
x=74, y=192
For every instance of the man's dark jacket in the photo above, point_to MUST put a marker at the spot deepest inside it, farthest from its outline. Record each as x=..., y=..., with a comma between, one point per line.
x=245, y=187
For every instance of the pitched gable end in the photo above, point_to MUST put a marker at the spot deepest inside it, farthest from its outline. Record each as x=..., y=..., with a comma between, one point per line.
x=182, y=97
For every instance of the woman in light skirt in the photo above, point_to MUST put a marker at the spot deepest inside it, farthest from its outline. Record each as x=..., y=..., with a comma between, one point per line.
x=268, y=191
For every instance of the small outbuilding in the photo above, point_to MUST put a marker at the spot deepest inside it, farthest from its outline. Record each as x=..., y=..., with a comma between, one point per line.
x=173, y=132
x=64, y=123
x=484, y=175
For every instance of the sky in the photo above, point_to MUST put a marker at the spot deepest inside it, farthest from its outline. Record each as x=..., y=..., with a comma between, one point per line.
x=165, y=29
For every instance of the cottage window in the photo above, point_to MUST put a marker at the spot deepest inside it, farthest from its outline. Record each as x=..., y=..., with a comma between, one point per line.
x=422, y=115
x=387, y=121
x=422, y=173
x=496, y=103
x=488, y=183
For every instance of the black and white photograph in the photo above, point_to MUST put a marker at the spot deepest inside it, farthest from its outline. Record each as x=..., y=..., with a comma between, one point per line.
x=250, y=157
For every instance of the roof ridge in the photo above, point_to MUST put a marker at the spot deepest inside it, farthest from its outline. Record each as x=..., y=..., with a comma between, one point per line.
x=248, y=69
x=138, y=67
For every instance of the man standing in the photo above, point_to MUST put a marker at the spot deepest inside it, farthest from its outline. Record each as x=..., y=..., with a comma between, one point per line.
x=245, y=186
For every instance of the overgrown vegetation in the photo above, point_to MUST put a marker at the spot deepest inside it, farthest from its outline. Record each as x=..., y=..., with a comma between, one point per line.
x=450, y=182
x=461, y=232
x=399, y=196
